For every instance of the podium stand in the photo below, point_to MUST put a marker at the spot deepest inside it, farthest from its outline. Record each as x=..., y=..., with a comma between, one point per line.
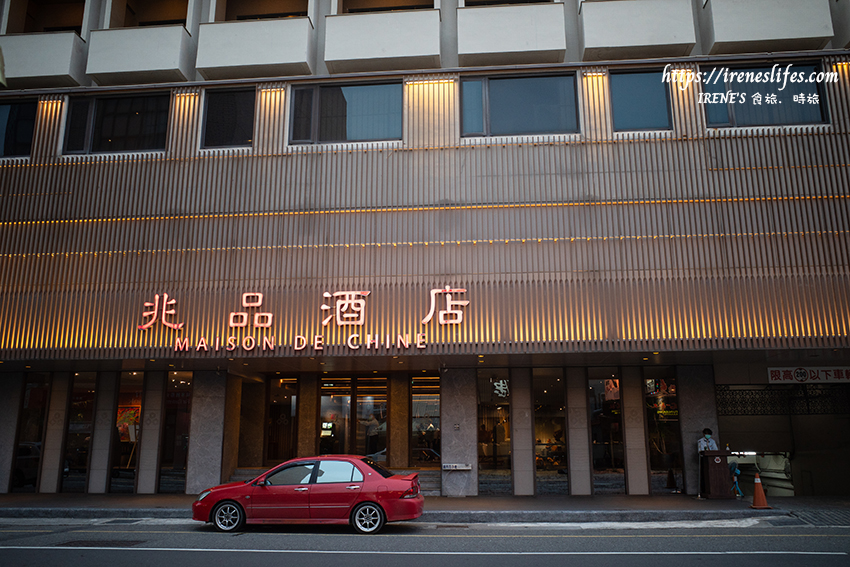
x=716, y=482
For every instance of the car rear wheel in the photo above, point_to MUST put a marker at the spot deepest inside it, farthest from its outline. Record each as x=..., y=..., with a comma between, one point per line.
x=367, y=518
x=228, y=517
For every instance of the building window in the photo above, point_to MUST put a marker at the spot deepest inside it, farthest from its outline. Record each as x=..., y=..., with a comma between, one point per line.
x=118, y=124
x=353, y=113
x=640, y=101
x=762, y=97
x=17, y=122
x=229, y=118
x=515, y=106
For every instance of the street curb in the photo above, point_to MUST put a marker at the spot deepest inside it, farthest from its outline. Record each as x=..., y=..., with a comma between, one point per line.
x=433, y=517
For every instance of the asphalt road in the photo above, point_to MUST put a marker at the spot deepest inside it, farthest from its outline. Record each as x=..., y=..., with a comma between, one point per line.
x=182, y=543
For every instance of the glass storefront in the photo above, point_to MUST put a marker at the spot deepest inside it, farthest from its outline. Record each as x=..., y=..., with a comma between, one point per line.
x=364, y=433
x=281, y=436
x=662, y=429
x=30, y=432
x=79, y=432
x=174, y=448
x=494, y=432
x=125, y=441
x=550, y=425
x=606, y=431
x=425, y=422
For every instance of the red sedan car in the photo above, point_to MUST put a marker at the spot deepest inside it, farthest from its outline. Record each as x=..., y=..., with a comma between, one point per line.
x=331, y=489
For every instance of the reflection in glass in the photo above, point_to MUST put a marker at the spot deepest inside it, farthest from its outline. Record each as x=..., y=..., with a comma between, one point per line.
x=335, y=417
x=665, y=439
x=281, y=438
x=640, y=101
x=425, y=422
x=174, y=449
x=372, y=418
x=126, y=436
x=606, y=431
x=550, y=421
x=360, y=113
x=30, y=432
x=494, y=432
x=78, y=434
x=533, y=105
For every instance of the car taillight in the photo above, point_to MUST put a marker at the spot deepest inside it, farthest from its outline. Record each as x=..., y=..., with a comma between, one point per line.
x=412, y=492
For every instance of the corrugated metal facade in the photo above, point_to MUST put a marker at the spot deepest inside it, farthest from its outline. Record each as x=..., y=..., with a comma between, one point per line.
x=595, y=242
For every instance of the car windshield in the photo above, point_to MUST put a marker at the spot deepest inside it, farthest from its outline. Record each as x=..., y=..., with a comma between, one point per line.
x=380, y=469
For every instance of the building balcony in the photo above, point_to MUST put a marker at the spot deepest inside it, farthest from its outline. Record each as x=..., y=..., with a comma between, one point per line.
x=511, y=34
x=149, y=54
x=632, y=29
x=44, y=60
x=256, y=48
x=732, y=26
x=841, y=23
x=382, y=41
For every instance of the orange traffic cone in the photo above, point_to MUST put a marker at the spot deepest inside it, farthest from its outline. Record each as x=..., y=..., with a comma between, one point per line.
x=759, y=501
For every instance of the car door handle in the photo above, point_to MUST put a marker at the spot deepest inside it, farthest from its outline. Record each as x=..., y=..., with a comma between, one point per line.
x=302, y=489
x=352, y=488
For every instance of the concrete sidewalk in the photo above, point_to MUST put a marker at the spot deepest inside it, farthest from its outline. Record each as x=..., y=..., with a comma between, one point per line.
x=554, y=509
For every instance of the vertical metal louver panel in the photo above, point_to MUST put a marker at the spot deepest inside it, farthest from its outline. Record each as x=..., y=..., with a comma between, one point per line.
x=603, y=241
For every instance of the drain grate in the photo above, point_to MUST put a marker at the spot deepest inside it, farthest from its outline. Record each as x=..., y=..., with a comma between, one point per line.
x=825, y=517
x=100, y=543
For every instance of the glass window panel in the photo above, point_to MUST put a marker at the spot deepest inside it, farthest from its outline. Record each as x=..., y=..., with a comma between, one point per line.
x=472, y=107
x=662, y=429
x=296, y=474
x=78, y=434
x=335, y=412
x=716, y=113
x=425, y=422
x=550, y=420
x=174, y=449
x=372, y=418
x=334, y=471
x=756, y=111
x=533, y=105
x=30, y=432
x=130, y=123
x=302, y=114
x=606, y=431
x=77, y=125
x=127, y=435
x=17, y=123
x=494, y=432
x=229, y=118
x=640, y=101
x=281, y=440
x=360, y=113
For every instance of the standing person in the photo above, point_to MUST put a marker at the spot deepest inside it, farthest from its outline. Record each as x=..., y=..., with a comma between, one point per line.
x=706, y=443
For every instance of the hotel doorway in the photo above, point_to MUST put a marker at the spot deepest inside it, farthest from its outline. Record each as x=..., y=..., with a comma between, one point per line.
x=353, y=416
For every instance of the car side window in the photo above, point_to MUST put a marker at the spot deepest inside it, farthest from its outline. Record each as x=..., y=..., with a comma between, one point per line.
x=337, y=471
x=296, y=474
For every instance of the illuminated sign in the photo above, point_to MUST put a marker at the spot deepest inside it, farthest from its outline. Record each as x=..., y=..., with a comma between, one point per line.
x=348, y=310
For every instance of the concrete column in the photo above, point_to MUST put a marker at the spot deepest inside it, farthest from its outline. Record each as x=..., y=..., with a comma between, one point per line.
x=398, y=453
x=52, y=454
x=578, y=421
x=634, y=432
x=308, y=415
x=232, y=422
x=251, y=428
x=150, y=435
x=459, y=430
x=697, y=410
x=104, y=432
x=206, y=431
x=10, y=407
x=523, y=467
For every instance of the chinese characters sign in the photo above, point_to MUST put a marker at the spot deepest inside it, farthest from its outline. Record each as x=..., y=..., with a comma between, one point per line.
x=345, y=308
x=806, y=375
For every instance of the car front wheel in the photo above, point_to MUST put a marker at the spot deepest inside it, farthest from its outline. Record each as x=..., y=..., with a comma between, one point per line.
x=367, y=518
x=228, y=517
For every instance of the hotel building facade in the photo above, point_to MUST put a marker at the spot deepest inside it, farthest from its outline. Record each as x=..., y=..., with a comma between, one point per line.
x=522, y=248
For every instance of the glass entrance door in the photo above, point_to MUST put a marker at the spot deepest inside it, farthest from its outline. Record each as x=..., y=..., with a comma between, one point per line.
x=365, y=431
x=494, y=433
